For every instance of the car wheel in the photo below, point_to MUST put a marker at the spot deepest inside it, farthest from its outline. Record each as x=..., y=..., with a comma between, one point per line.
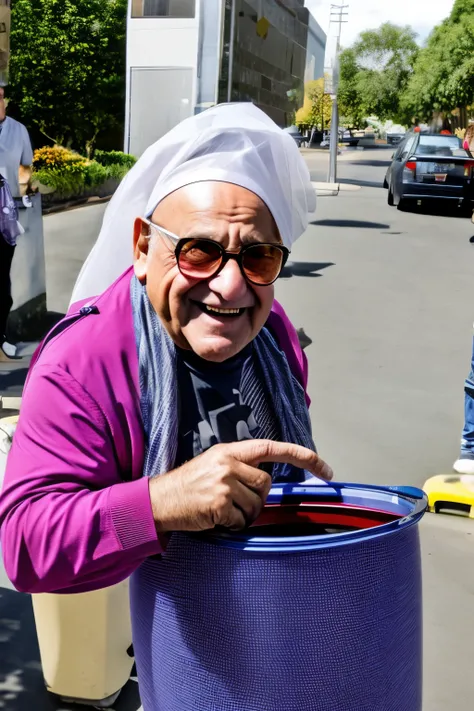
x=390, y=197
x=385, y=184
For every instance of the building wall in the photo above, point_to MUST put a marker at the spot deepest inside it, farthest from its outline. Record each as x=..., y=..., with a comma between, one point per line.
x=28, y=273
x=267, y=70
x=209, y=53
x=178, y=65
x=162, y=56
x=315, y=51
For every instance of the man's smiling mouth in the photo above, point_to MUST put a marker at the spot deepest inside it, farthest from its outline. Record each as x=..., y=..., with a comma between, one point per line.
x=218, y=311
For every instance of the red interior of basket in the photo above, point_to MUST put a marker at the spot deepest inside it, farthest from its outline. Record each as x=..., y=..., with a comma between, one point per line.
x=291, y=517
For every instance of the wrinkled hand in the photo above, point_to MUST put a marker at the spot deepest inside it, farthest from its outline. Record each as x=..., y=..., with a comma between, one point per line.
x=223, y=486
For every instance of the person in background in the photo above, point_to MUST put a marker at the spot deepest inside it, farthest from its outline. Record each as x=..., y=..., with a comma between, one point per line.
x=465, y=463
x=468, y=141
x=15, y=153
x=446, y=128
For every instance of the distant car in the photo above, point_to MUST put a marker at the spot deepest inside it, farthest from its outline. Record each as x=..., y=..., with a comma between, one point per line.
x=347, y=136
x=394, y=139
x=296, y=135
x=326, y=142
x=430, y=167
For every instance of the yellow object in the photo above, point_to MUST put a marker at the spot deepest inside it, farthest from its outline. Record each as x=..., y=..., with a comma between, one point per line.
x=455, y=491
x=263, y=26
x=84, y=643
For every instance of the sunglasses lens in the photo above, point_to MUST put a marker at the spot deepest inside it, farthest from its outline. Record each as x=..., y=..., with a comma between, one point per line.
x=199, y=258
x=262, y=264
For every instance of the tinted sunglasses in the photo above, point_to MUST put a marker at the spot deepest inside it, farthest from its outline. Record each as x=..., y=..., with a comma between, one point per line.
x=202, y=258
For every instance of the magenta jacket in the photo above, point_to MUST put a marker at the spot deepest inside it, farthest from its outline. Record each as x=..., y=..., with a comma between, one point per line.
x=75, y=509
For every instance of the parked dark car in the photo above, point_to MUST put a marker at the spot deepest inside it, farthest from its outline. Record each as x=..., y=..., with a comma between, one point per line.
x=347, y=136
x=429, y=167
x=296, y=135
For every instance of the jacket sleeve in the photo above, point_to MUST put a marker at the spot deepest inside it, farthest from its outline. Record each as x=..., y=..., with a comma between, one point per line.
x=68, y=523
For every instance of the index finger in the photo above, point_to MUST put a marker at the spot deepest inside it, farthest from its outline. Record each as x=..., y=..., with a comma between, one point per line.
x=258, y=451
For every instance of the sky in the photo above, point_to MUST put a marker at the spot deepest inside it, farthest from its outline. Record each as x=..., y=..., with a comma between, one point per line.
x=422, y=15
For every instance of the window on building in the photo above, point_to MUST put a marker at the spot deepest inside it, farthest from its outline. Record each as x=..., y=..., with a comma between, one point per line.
x=164, y=8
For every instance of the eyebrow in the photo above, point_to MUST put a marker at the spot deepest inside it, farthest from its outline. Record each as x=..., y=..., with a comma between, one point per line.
x=252, y=237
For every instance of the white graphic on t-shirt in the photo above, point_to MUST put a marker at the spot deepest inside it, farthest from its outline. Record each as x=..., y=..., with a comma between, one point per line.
x=232, y=423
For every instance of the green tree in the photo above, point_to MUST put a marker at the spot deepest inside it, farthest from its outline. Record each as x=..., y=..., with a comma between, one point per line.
x=317, y=106
x=67, y=70
x=375, y=71
x=443, y=77
x=351, y=109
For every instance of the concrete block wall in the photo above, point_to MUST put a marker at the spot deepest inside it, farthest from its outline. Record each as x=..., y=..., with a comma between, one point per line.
x=28, y=272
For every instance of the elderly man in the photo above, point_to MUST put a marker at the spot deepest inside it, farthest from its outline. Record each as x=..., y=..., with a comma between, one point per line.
x=170, y=401
x=15, y=153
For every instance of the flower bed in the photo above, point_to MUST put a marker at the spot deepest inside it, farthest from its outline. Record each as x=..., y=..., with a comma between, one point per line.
x=62, y=175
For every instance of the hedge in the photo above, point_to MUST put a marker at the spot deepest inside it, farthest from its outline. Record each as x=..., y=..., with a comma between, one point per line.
x=68, y=174
x=109, y=158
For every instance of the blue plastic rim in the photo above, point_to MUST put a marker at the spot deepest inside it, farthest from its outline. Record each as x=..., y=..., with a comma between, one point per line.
x=406, y=504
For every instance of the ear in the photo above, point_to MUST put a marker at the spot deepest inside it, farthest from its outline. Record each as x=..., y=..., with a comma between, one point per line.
x=141, y=244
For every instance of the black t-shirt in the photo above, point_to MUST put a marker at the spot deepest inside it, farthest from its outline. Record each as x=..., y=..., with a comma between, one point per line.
x=221, y=402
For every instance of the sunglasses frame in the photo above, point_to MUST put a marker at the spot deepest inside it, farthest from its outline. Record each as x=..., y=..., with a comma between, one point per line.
x=180, y=242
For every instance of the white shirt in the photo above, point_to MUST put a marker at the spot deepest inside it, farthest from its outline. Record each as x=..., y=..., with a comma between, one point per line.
x=15, y=150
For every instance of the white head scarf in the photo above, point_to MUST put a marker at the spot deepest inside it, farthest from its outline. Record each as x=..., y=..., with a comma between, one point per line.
x=232, y=143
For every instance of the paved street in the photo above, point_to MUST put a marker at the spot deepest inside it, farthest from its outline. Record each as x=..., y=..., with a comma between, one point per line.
x=387, y=298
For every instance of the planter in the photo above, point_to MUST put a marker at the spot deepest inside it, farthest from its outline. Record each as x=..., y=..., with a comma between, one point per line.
x=52, y=199
x=317, y=607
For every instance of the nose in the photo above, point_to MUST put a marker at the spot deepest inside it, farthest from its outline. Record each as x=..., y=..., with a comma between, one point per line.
x=230, y=283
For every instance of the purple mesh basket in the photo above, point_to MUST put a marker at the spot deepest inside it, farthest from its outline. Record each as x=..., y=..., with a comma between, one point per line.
x=315, y=608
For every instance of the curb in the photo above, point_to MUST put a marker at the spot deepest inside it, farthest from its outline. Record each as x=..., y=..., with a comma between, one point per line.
x=334, y=188
x=326, y=189
x=75, y=204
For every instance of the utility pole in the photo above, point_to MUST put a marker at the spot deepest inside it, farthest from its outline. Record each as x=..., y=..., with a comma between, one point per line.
x=337, y=16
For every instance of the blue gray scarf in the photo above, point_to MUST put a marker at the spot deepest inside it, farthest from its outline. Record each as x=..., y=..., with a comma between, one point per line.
x=159, y=390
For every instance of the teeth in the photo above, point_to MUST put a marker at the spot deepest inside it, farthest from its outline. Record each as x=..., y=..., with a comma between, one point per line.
x=222, y=311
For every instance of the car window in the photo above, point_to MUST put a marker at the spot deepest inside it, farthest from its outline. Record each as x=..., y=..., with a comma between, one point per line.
x=440, y=146
x=401, y=148
x=408, y=147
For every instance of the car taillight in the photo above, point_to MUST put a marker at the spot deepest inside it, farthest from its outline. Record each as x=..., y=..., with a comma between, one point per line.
x=411, y=165
x=468, y=167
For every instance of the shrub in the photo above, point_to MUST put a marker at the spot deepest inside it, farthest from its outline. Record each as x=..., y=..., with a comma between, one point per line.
x=109, y=158
x=64, y=183
x=95, y=174
x=56, y=157
x=69, y=174
x=117, y=172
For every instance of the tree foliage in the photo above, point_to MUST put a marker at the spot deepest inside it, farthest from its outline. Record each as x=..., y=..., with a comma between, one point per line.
x=67, y=67
x=443, y=77
x=317, y=106
x=351, y=108
x=375, y=71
